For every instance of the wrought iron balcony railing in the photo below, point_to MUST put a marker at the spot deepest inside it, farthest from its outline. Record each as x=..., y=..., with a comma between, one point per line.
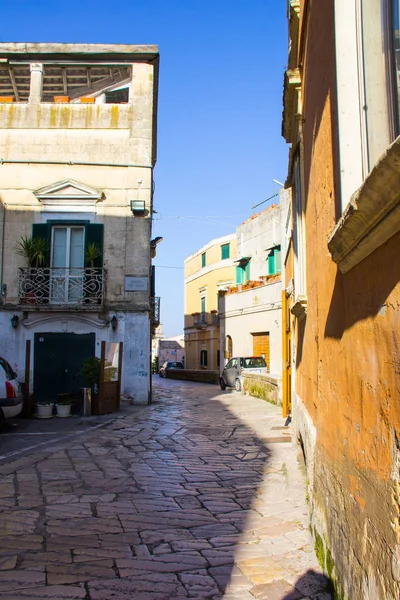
x=200, y=319
x=62, y=286
x=155, y=311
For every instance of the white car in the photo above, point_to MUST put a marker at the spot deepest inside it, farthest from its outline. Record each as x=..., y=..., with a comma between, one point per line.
x=11, y=398
x=232, y=374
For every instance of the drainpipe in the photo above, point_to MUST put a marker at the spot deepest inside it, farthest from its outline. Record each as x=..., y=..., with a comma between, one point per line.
x=2, y=253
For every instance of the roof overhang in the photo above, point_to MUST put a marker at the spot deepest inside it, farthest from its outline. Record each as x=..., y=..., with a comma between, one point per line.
x=77, y=52
x=243, y=260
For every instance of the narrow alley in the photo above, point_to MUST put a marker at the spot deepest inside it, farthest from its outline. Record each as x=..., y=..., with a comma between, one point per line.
x=199, y=495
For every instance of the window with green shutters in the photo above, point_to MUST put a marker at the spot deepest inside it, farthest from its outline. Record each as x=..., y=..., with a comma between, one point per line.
x=239, y=275
x=203, y=260
x=243, y=273
x=274, y=261
x=247, y=272
x=225, y=251
x=93, y=233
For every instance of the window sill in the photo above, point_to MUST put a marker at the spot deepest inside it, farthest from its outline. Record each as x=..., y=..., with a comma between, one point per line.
x=372, y=215
x=299, y=308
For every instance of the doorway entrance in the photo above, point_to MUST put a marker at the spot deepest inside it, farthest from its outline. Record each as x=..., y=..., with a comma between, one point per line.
x=57, y=363
x=261, y=346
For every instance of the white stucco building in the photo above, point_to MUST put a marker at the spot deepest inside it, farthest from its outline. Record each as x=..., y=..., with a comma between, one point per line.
x=77, y=151
x=171, y=348
x=251, y=311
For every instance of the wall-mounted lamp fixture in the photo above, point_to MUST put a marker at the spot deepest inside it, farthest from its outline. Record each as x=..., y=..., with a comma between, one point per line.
x=153, y=245
x=137, y=207
x=14, y=321
x=114, y=323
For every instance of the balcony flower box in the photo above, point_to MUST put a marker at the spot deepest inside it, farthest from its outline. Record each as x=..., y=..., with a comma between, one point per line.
x=60, y=99
x=6, y=99
x=85, y=100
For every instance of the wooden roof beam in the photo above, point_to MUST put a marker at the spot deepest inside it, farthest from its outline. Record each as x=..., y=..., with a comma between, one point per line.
x=65, y=81
x=14, y=84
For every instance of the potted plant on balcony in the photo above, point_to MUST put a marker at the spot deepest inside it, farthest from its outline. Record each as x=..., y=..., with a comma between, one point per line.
x=92, y=253
x=34, y=250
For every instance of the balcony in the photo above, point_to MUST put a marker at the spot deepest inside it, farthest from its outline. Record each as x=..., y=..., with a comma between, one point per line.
x=199, y=319
x=155, y=311
x=64, y=287
x=214, y=317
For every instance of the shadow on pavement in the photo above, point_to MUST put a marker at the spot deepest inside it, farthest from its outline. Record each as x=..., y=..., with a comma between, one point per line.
x=159, y=505
x=311, y=586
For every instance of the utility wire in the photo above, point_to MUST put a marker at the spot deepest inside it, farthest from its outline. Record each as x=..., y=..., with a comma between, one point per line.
x=167, y=267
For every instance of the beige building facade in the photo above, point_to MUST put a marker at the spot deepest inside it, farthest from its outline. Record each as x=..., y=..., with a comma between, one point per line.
x=207, y=271
x=77, y=151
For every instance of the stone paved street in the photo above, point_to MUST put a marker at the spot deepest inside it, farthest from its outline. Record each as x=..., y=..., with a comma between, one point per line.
x=199, y=495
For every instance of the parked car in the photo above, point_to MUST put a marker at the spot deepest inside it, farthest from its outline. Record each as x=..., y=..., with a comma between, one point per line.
x=11, y=398
x=170, y=364
x=231, y=375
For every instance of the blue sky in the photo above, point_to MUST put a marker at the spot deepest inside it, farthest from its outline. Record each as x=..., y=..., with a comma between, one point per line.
x=220, y=108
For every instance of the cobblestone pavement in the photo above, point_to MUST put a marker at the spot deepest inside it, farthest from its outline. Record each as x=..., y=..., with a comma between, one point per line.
x=199, y=495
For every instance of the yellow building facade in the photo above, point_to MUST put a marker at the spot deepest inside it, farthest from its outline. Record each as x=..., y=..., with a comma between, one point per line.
x=208, y=270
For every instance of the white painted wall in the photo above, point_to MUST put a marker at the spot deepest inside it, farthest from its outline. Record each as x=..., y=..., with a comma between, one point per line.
x=254, y=311
x=256, y=236
x=348, y=44
x=131, y=328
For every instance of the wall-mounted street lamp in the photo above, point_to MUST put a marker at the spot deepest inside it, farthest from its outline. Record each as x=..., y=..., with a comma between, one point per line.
x=114, y=323
x=14, y=321
x=138, y=207
x=153, y=245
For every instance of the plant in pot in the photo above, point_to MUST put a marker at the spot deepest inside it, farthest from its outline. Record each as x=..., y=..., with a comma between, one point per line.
x=90, y=369
x=44, y=410
x=63, y=405
x=92, y=253
x=34, y=250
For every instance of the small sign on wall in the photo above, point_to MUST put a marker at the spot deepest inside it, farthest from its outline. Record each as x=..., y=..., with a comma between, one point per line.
x=136, y=284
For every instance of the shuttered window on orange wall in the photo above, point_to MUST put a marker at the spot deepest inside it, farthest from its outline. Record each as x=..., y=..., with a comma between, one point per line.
x=261, y=346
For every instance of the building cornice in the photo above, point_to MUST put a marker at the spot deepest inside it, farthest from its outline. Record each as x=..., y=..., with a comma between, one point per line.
x=373, y=214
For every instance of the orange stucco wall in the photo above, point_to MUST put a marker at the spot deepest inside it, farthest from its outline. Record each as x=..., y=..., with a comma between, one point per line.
x=348, y=355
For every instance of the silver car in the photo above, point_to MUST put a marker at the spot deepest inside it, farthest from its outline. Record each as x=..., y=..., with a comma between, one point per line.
x=231, y=376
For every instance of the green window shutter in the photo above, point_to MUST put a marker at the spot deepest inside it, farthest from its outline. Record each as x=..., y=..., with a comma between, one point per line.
x=239, y=275
x=278, y=267
x=225, y=251
x=203, y=260
x=43, y=230
x=247, y=271
x=94, y=233
x=271, y=263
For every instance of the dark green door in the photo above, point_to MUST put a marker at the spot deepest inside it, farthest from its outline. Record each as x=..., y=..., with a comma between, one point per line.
x=57, y=362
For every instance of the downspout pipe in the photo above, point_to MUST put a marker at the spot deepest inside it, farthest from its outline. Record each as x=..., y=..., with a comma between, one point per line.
x=3, y=230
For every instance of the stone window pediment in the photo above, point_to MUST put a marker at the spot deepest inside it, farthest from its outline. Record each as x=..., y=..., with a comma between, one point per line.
x=68, y=196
